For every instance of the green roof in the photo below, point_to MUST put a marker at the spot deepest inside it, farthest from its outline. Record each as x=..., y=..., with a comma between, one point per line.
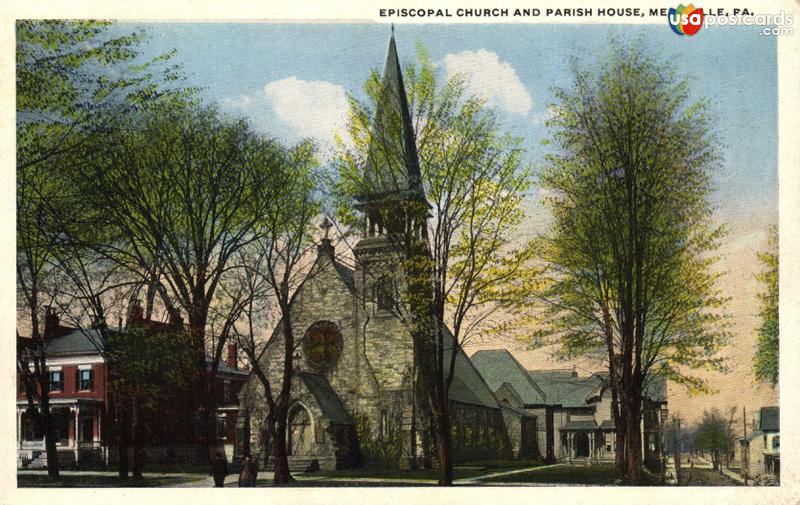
x=328, y=401
x=468, y=385
x=769, y=419
x=656, y=389
x=579, y=426
x=497, y=366
x=564, y=389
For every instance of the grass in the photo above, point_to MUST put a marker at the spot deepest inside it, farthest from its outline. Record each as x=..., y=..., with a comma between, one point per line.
x=424, y=476
x=35, y=480
x=563, y=474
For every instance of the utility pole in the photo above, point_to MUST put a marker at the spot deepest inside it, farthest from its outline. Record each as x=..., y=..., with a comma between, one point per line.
x=676, y=448
x=745, y=445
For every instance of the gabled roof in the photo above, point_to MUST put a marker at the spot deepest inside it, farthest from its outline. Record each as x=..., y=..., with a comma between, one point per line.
x=328, y=401
x=76, y=341
x=562, y=388
x=346, y=274
x=222, y=367
x=468, y=385
x=498, y=366
x=769, y=419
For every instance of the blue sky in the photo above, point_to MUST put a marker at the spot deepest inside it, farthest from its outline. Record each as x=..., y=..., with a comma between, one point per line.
x=291, y=79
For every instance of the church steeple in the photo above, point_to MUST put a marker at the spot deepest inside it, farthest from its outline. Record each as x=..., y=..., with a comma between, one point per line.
x=392, y=168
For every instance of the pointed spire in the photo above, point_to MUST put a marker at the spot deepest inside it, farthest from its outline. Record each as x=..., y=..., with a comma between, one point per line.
x=392, y=162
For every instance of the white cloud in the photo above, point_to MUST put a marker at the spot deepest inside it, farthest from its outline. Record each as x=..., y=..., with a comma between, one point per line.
x=491, y=78
x=241, y=103
x=315, y=109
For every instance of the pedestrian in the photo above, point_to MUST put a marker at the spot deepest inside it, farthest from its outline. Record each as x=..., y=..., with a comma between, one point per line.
x=249, y=473
x=219, y=469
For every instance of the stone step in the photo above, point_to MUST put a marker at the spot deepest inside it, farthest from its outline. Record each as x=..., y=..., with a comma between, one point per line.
x=303, y=465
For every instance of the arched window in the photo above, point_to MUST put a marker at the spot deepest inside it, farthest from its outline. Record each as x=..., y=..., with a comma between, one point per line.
x=384, y=294
x=384, y=424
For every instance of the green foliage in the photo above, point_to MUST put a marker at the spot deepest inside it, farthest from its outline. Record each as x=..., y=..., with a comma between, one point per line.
x=75, y=76
x=472, y=175
x=628, y=262
x=381, y=451
x=714, y=435
x=149, y=365
x=766, y=359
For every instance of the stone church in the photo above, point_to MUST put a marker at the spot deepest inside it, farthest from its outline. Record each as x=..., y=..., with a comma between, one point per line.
x=353, y=396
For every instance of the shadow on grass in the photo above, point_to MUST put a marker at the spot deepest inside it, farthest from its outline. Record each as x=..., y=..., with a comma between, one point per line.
x=26, y=480
x=376, y=476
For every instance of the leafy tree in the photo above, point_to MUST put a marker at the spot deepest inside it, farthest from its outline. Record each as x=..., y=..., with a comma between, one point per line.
x=71, y=77
x=627, y=263
x=714, y=435
x=445, y=186
x=766, y=359
x=142, y=358
x=177, y=191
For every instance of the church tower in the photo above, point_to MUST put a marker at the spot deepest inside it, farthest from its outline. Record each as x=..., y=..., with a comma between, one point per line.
x=395, y=212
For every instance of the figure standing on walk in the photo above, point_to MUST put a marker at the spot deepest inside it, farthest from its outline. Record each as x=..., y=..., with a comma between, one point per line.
x=249, y=473
x=219, y=469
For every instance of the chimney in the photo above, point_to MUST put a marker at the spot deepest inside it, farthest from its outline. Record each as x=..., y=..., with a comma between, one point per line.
x=233, y=359
x=135, y=313
x=51, y=322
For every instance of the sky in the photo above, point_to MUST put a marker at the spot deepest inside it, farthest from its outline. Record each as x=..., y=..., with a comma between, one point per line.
x=292, y=81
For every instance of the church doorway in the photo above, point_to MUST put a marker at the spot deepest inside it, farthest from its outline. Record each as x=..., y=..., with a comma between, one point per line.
x=301, y=437
x=581, y=444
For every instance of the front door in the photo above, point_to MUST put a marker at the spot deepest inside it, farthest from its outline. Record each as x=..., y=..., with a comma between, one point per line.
x=301, y=437
x=581, y=444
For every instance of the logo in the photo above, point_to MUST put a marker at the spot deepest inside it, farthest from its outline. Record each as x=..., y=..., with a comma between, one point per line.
x=685, y=20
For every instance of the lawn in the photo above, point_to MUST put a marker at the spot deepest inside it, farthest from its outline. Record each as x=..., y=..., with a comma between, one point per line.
x=596, y=475
x=42, y=480
x=371, y=476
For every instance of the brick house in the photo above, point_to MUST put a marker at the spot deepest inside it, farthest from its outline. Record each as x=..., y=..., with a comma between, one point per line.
x=80, y=393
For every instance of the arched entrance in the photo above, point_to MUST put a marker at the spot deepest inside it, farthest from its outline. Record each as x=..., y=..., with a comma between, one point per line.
x=301, y=434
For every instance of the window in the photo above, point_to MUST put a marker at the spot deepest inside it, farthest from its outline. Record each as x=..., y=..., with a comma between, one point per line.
x=322, y=344
x=83, y=380
x=608, y=447
x=384, y=294
x=56, y=381
x=222, y=426
x=226, y=392
x=384, y=424
x=776, y=441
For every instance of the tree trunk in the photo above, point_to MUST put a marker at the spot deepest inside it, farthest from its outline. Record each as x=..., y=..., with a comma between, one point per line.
x=280, y=451
x=136, y=430
x=49, y=436
x=123, y=429
x=444, y=443
x=197, y=323
x=633, y=444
